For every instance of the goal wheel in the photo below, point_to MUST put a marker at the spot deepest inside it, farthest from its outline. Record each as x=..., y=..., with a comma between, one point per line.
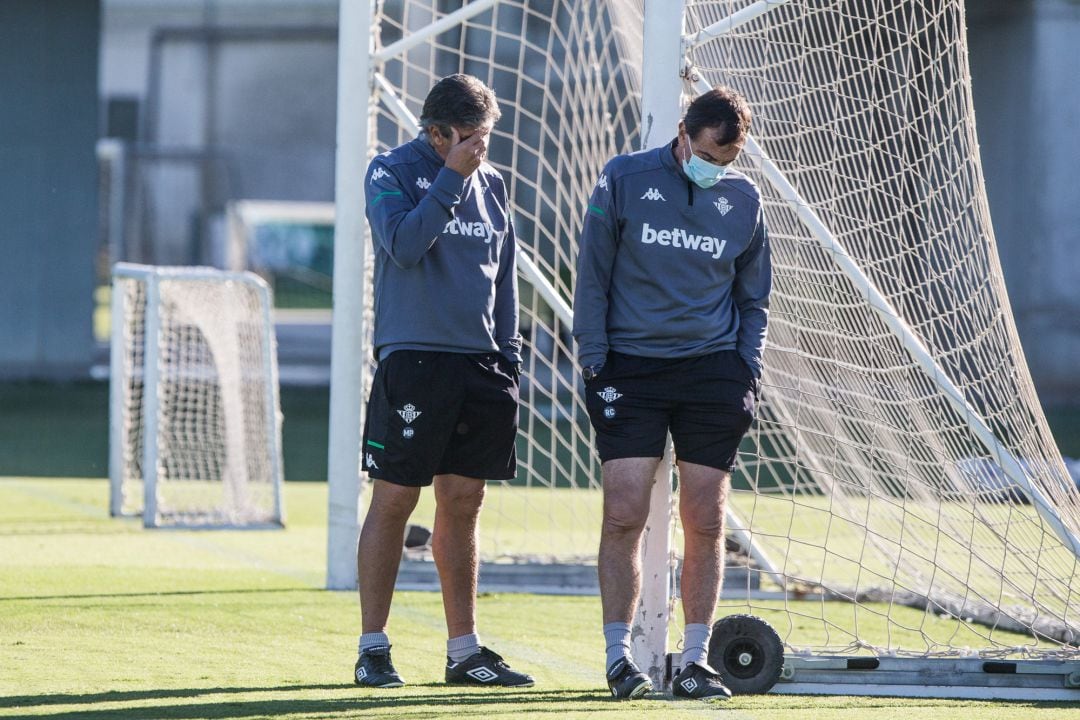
x=747, y=652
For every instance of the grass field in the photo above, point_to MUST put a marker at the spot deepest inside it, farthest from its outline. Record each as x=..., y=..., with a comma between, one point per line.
x=102, y=619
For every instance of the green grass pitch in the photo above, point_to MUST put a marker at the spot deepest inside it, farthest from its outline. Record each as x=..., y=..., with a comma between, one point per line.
x=102, y=619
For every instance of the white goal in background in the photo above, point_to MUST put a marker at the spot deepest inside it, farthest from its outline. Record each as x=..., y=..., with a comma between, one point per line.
x=195, y=424
x=903, y=508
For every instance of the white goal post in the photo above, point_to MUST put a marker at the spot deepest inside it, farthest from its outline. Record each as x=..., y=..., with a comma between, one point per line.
x=901, y=464
x=194, y=413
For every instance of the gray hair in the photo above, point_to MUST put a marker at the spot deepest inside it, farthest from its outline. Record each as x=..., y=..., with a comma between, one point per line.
x=459, y=100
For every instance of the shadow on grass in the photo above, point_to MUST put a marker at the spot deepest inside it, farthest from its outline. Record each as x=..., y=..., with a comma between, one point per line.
x=172, y=593
x=456, y=702
x=132, y=695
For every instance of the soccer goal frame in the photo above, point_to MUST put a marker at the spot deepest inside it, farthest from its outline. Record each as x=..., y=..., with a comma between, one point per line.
x=243, y=488
x=668, y=68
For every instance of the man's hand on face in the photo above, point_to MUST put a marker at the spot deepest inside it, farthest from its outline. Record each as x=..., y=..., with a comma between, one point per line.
x=466, y=155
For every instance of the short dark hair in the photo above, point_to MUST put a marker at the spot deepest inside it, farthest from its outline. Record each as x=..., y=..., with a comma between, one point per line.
x=723, y=108
x=461, y=100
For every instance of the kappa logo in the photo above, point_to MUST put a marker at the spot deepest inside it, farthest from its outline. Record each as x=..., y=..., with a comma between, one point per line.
x=423, y=183
x=409, y=413
x=680, y=238
x=609, y=394
x=723, y=205
x=483, y=674
x=603, y=183
x=370, y=462
x=653, y=194
x=471, y=229
x=379, y=174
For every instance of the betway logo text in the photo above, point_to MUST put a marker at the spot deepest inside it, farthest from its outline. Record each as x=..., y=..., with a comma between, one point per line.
x=470, y=229
x=677, y=237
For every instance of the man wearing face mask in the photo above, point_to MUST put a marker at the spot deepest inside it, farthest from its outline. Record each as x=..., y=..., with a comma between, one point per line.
x=670, y=313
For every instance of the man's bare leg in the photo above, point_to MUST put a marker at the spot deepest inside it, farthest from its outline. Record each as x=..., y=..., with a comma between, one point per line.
x=458, y=500
x=702, y=497
x=627, y=487
x=378, y=552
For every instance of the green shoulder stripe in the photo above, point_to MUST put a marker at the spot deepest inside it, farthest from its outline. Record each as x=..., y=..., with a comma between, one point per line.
x=372, y=443
x=384, y=193
x=596, y=211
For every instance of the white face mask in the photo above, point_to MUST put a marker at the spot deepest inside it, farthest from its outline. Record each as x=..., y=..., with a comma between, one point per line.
x=703, y=174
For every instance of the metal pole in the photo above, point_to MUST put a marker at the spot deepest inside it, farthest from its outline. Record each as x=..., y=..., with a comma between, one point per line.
x=423, y=35
x=118, y=393
x=661, y=93
x=731, y=22
x=356, y=40
x=151, y=382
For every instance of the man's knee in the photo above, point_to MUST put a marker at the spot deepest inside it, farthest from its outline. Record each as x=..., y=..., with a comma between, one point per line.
x=627, y=489
x=624, y=514
x=703, y=495
x=703, y=520
x=393, y=501
x=459, y=495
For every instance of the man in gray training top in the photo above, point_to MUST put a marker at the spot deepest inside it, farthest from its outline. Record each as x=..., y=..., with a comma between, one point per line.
x=444, y=400
x=670, y=310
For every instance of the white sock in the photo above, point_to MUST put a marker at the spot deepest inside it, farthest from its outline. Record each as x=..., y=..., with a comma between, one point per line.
x=617, y=636
x=463, y=646
x=695, y=642
x=373, y=640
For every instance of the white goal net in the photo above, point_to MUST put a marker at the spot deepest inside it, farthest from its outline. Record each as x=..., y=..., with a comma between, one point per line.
x=901, y=461
x=195, y=424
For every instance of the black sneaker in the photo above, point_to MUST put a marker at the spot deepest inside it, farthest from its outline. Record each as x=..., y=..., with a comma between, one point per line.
x=625, y=681
x=485, y=668
x=699, y=682
x=374, y=669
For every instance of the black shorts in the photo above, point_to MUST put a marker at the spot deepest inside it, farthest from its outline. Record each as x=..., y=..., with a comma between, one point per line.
x=705, y=402
x=435, y=413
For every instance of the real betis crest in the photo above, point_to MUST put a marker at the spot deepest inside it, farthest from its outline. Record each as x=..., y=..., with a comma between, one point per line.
x=409, y=413
x=609, y=395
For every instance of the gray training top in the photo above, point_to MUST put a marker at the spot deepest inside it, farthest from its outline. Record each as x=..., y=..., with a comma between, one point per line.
x=667, y=269
x=445, y=256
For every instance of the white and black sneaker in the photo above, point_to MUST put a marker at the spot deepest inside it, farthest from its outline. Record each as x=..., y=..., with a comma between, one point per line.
x=626, y=681
x=485, y=668
x=374, y=669
x=699, y=682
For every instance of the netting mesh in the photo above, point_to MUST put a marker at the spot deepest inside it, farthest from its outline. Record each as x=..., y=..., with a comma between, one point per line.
x=218, y=431
x=866, y=108
x=860, y=479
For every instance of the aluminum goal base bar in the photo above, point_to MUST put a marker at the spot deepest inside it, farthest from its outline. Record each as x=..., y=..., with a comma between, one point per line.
x=970, y=678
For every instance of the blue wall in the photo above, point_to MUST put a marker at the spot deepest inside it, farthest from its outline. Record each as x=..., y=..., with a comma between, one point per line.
x=48, y=185
x=1025, y=72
